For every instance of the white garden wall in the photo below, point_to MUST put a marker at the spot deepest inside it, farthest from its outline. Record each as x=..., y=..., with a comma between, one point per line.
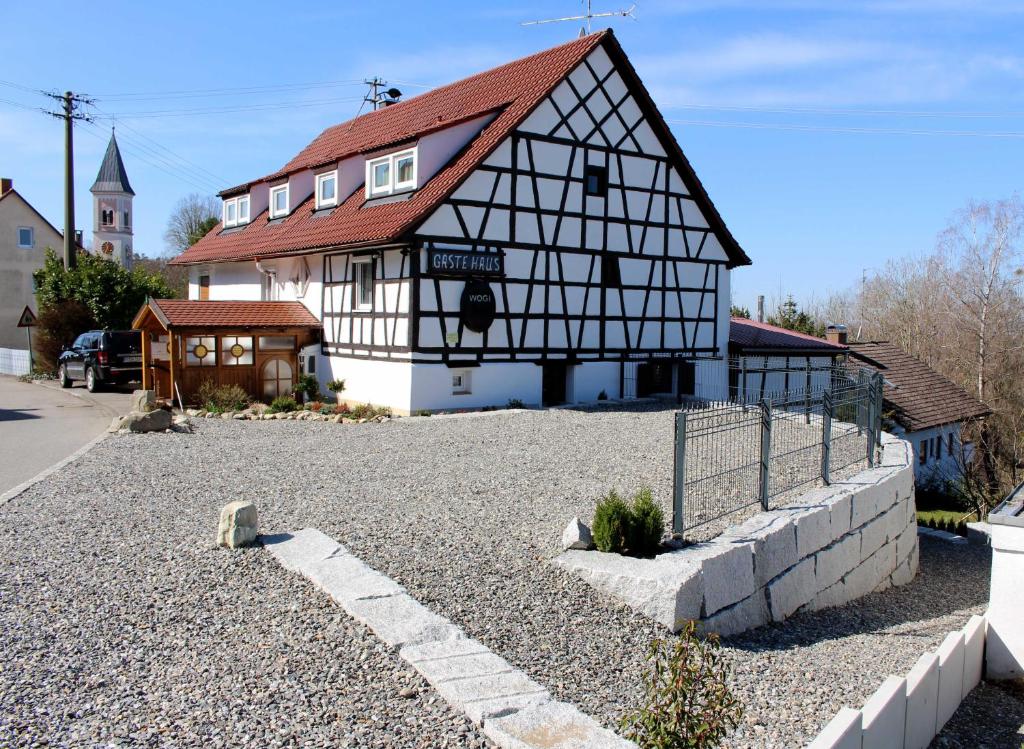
x=831, y=546
x=907, y=712
x=14, y=361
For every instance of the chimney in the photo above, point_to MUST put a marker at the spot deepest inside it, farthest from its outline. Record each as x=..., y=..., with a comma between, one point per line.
x=760, y=307
x=836, y=334
x=6, y=184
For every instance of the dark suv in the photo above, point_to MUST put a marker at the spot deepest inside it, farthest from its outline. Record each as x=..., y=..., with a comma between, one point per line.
x=102, y=357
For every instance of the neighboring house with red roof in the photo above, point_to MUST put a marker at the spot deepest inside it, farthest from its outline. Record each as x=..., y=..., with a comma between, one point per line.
x=925, y=408
x=766, y=360
x=24, y=236
x=519, y=234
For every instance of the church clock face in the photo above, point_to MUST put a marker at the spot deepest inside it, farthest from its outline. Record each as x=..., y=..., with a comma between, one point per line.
x=107, y=248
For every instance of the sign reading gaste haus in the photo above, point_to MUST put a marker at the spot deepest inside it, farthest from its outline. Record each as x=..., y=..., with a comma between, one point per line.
x=462, y=263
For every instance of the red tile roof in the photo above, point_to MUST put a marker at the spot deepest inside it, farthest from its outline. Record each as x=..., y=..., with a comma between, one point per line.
x=511, y=91
x=188, y=313
x=919, y=397
x=747, y=334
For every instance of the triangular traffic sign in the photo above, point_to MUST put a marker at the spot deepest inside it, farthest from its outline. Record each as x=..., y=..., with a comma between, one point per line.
x=27, y=319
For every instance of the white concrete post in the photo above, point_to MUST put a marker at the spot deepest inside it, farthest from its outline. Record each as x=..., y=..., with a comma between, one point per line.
x=1004, y=653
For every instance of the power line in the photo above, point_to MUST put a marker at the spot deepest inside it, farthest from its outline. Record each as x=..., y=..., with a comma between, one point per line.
x=219, y=179
x=856, y=130
x=224, y=110
x=241, y=90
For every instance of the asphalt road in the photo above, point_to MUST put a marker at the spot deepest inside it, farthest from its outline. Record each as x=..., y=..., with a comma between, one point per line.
x=41, y=424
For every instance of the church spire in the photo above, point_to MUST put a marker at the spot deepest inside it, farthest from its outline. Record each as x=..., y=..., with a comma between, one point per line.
x=112, y=176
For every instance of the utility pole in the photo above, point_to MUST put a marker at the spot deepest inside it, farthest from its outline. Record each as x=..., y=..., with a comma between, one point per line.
x=379, y=99
x=70, y=104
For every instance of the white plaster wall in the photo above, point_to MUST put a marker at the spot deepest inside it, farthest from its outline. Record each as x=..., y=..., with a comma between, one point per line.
x=228, y=281
x=590, y=378
x=381, y=383
x=436, y=149
x=300, y=187
x=946, y=467
x=491, y=385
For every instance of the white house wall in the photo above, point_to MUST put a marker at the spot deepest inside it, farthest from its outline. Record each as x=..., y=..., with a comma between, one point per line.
x=228, y=281
x=945, y=467
x=381, y=383
x=527, y=201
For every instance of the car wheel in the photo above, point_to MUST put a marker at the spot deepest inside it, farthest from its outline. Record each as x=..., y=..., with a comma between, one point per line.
x=91, y=383
x=62, y=376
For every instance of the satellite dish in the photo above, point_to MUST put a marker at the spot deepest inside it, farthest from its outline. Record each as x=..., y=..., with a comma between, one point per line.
x=393, y=93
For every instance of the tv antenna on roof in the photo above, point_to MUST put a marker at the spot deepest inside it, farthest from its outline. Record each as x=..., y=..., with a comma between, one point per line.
x=587, y=17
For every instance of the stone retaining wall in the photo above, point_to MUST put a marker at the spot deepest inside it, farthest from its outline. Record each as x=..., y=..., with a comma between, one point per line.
x=830, y=546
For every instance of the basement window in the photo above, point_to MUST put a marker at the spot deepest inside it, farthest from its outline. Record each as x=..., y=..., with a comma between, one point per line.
x=460, y=382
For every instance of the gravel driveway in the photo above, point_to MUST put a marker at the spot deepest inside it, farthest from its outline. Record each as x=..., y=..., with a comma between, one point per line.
x=111, y=571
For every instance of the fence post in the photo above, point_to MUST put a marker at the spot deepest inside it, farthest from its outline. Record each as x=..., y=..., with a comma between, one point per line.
x=879, y=405
x=861, y=400
x=869, y=419
x=742, y=393
x=807, y=393
x=766, y=449
x=826, y=436
x=679, y=473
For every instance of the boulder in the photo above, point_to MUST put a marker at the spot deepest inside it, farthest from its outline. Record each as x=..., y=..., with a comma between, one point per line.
x=143, y=401
x=577, y=536
x=153, y=421
x=239, y=524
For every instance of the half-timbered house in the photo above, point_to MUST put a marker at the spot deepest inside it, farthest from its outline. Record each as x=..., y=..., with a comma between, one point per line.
x=533, y=232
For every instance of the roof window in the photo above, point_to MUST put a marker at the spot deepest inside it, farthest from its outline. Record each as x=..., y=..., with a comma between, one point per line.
x=389, y=174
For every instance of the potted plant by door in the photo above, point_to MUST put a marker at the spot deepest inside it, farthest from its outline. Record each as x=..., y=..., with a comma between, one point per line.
x=337, y=387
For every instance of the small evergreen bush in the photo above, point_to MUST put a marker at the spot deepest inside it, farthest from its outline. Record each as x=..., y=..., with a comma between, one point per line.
x=602, y=396
x=283, y=403
x=514, y=403
x=646, y=525
x=687, y=701
x=336, y=386
x=612, y=521
x=221, y=398
x=307, y=385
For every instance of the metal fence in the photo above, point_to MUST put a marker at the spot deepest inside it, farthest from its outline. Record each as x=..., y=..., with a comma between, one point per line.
x=738, y=453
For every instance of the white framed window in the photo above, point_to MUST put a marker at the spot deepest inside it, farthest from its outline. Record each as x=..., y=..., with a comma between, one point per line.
x=362, y=271
x=392, y=173
x=327, y=189
x=243, y=209
x=230, y=212
x=461, y=382
x=26, y=237
x=279, y=201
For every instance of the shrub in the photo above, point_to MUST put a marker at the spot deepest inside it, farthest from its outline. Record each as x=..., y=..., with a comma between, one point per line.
x=314, y=405
x=336, y=386
x=687, y=701
x=602, y=396
x=369, y=411
x=646, y=524
x=514, y=403
x=612, y=519
x=57, y=327
x=340, y=409
x=220, y=398
x=282, y=403
x=308, y=386
x=422, y=412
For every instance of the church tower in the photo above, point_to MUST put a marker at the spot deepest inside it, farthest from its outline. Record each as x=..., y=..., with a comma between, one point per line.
x=112, y=208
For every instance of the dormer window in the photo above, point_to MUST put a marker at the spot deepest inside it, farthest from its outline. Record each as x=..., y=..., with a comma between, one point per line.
x=327, y=189
x=389, y=174
x=279, y=201
x=236, y=211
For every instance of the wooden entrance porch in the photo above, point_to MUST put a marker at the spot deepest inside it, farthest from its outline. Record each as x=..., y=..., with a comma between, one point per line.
x=254, y=345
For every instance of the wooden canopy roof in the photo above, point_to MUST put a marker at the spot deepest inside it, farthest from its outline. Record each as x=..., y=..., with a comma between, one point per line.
x=190, y=313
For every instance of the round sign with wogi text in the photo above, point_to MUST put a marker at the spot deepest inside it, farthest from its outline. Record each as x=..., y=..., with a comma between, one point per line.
x=478, y=306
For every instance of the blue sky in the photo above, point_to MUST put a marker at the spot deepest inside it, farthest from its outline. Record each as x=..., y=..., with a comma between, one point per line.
x=815, y=126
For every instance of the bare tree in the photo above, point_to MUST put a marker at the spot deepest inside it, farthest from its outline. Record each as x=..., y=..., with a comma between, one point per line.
x=192, y=218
